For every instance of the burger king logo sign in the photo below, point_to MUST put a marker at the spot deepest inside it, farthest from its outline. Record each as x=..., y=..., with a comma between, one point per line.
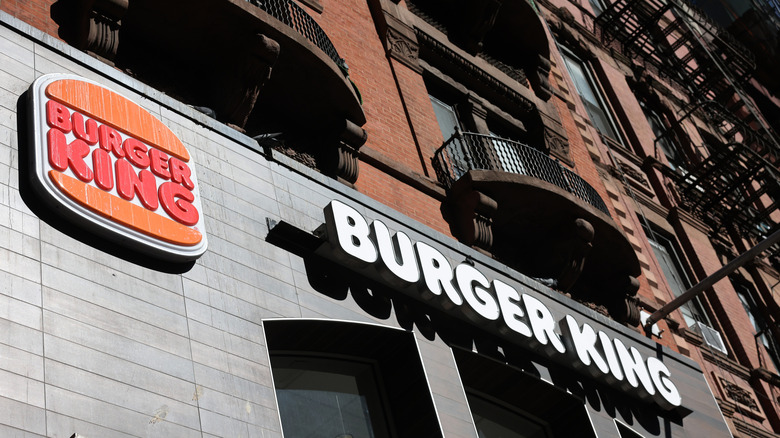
x=104, y=162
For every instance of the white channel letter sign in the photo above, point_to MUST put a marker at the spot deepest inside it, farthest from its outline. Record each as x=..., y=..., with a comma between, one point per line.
x=421, y=269
x=110, y=166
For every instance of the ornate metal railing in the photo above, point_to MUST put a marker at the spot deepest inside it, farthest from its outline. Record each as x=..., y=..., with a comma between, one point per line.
x=466, y=151
x=296, y=18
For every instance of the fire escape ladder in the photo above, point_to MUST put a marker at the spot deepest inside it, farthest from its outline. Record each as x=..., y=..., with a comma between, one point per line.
x=673, y=39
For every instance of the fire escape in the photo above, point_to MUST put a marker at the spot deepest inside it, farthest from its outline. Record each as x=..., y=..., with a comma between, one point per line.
x=736, y=186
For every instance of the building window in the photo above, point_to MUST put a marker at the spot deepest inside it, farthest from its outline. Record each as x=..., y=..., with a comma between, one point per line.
x=338, y=379
x=328, y=398
x=664, y=138
x=480, y=150
x=446, y=116
x=508, y=403
x=496, y=420
x=764, y=333
x=594, y=101
x=598, y=6
x=679, y=282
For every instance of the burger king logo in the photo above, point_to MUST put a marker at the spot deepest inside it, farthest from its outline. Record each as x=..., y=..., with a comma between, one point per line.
x=105, y=162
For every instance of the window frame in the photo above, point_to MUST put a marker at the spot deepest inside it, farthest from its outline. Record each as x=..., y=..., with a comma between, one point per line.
x=523, y=392
x=746, y=293
x=595, y=88
x=365, y=373
x=393, y=352
x=481, y=399
x=652, y=115
x=598, y=7
x=694, y=310
x=451, y=108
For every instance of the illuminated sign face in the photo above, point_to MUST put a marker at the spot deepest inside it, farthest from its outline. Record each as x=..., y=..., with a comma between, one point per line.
x=110, y=166
x=423, y=272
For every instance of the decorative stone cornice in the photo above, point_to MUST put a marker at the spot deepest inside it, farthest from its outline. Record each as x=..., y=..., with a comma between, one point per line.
x=716, y=357
x=765, y=375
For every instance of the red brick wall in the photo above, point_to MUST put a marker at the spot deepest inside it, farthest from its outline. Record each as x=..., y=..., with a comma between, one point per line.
x=351, y=28
x=725, y=303
x=37, y=13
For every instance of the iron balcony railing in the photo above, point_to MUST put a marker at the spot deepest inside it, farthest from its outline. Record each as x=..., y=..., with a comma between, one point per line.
x=466, y=151
x=296, y=18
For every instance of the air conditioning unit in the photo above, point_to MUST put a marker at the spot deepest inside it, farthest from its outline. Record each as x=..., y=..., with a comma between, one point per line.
x=711, y=336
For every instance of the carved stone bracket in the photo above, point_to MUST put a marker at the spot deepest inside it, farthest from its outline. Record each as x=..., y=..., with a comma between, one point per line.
x=625, y=309
x=474, y=212
x=576, y=250
x=237, y=106
x=346, y=166
x=403, y=48
x=100, y=21
x=558, y=146
x=540, y=79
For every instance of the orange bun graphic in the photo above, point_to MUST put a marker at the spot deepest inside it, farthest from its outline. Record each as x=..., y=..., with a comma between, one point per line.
x=112, y=109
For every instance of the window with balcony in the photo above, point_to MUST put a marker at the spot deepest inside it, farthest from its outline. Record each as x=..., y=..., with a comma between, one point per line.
x=595, y=103
x=264, y=67
x=479, y=150
x=487, y=172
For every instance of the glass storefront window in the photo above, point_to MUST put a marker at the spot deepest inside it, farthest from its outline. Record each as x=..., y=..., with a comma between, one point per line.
x=626, y=432
x=328, y=398
x=506, y=402
x=493, y=420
